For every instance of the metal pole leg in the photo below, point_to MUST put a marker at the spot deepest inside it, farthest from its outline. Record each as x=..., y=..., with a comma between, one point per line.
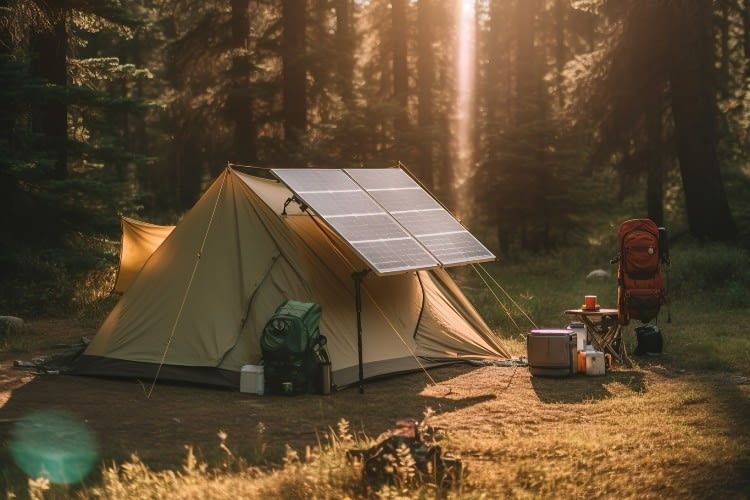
x=358, y=277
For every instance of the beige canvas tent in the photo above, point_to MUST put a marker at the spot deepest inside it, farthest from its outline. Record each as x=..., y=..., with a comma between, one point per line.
x=199, y=314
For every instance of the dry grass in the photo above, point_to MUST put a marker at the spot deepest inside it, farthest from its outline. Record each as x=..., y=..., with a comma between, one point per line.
x=648, y=432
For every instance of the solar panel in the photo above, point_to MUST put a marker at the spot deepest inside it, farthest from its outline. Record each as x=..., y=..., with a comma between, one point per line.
x=423, y=217
x=357, y=218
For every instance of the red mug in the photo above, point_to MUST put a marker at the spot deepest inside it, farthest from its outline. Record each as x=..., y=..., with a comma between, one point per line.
x=589, y=302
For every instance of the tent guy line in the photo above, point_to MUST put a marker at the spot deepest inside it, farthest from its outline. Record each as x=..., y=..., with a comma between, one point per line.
x=504, y=307
x=189, y=285
x=507, y=295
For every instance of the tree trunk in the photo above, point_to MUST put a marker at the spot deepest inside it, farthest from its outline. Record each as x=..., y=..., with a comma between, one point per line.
x=725, y=55
x=345, y=47
x=147, y=174
x=655, y=175
x=495, y=53
x=49, y=63
x=695, y=114
x=8, y=109
x=294, y=72
x=560, y=52
x=425, y=83
x=525, y=62
x=141, y=136
x=447, y=175
x=240, y=100
x=8, y=113
x=525, y=195
x=124, y=166
x=321, y=67
x=498, y=61
x=400, y=74
x=476, y=100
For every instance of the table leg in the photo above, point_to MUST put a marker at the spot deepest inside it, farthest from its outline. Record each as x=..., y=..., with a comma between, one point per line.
x=623, y=349
x=603, y=340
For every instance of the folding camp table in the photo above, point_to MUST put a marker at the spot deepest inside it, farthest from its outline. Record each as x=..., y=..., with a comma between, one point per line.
x=604, y=331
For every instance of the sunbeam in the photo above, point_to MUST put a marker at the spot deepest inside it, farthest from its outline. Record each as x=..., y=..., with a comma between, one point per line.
x=465, y=63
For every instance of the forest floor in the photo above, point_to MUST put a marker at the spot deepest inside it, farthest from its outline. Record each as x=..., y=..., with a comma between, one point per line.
x=673, y=426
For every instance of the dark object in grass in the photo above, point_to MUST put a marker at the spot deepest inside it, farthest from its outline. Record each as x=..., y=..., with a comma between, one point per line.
x=650, y=340
x=403, y=459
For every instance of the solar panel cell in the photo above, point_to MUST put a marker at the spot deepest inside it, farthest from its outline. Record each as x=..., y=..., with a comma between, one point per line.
x=334, y=204
x=428, y=222
x=403, y=199
x=306, y=180
x=369, y=227
x=395, y=255
x=456, y=248
x=381, y=178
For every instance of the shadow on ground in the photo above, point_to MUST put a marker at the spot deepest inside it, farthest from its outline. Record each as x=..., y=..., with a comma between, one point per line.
x=580, y=388
x=159, y=429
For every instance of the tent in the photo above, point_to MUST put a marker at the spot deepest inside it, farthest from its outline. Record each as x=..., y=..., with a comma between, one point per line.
x=196, y=309
x=139, y=241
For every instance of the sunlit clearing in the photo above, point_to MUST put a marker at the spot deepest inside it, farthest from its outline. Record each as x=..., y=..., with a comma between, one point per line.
x=465, y=68
x=53, y=445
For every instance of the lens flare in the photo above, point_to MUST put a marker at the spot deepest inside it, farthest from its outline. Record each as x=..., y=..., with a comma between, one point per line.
x=465, y=71
x=53, y=445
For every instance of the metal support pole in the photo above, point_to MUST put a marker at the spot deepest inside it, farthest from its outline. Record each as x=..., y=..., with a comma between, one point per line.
x=358, y=277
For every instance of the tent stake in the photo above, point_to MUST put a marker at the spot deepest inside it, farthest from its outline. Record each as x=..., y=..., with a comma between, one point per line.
x=358, y=277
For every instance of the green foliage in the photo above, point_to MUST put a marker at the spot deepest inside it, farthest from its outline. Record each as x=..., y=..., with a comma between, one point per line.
x=46, y=199
x=75, y=278
x=712, y=278
x=717, y=272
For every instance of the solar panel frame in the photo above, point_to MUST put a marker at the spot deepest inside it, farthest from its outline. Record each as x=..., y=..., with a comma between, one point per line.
x=444, y=238
x=314, y=190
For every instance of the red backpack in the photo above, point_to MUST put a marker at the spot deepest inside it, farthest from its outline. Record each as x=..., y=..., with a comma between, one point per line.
x=641, y=289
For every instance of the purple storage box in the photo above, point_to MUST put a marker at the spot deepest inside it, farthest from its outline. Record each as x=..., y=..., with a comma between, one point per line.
x=549, y=332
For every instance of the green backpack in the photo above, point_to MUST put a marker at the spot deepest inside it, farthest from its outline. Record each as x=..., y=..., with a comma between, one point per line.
x=293, y=328
x=289, y=343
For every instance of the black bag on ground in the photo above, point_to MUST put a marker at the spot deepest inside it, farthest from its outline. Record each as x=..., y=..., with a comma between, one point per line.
x=428, y=462
x=650, y=340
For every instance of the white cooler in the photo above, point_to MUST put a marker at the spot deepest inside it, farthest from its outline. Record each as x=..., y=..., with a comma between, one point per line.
x=251, y=379
x=595, y=364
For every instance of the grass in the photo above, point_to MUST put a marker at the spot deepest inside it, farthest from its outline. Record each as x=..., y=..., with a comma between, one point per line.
x=675, y=426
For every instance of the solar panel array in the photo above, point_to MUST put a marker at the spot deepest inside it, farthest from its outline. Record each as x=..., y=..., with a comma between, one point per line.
x=387, y=218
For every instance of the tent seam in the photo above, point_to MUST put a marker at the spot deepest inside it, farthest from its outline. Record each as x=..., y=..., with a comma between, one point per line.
x=257, y=288
x=421, y=309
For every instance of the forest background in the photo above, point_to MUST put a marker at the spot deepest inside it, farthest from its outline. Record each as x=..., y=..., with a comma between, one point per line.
x=541, y=123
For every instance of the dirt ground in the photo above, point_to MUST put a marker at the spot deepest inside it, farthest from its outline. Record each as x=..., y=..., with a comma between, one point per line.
x=651, y=431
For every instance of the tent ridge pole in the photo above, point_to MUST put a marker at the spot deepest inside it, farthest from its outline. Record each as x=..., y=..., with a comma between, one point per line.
x=358, y=276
